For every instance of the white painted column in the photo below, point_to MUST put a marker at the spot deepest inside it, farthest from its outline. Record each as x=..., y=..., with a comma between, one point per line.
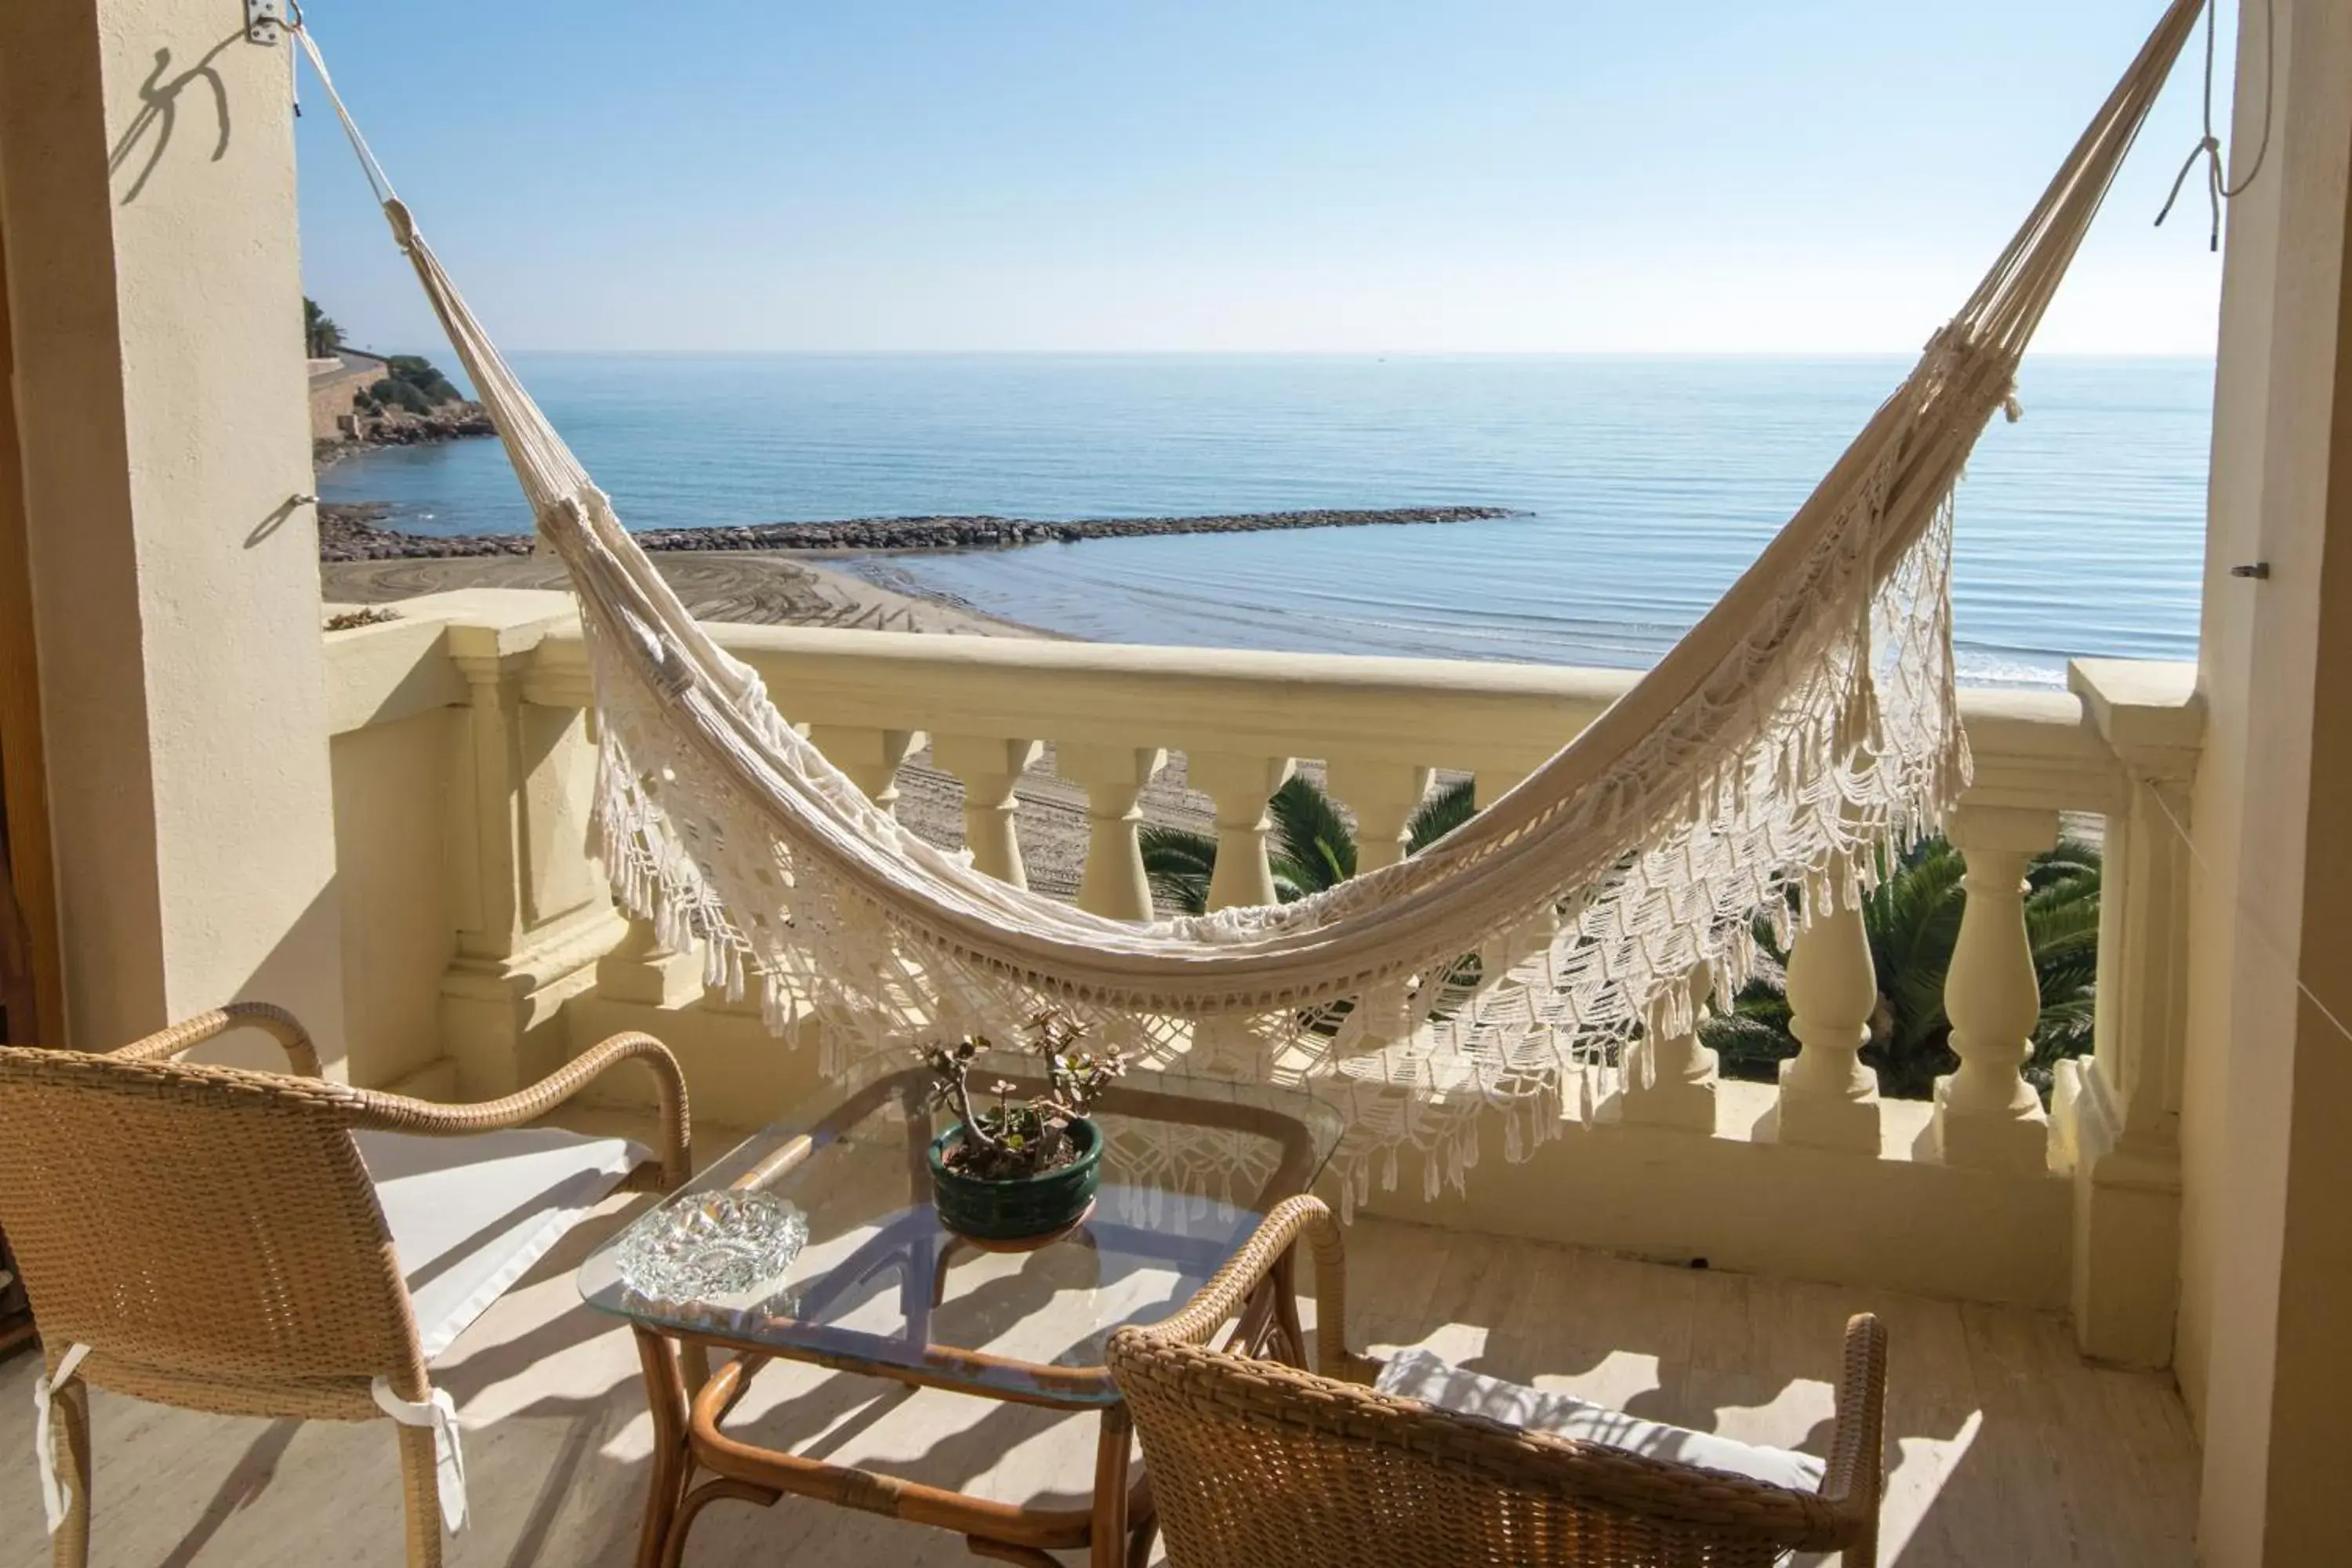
x=1671, y=1078
x=1987, y=1115
x=1240, y=785
x=2116, y=1115
x=533, y=915
x=989, y=768
x=1383, y=796
x=1113, y=776
x=154, y=286
x=1829, y=1100
x=870, y=757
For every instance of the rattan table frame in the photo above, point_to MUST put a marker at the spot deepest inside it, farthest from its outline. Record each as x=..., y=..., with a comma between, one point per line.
x=689, y=1404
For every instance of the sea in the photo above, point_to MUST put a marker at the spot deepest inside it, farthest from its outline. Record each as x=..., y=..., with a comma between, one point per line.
x=1640, y=487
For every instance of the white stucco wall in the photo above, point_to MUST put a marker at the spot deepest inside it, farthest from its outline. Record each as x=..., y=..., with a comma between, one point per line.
x=2255, y=1155
x=160, y=389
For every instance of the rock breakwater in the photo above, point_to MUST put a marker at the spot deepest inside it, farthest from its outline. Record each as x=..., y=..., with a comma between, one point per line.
x=356, y=532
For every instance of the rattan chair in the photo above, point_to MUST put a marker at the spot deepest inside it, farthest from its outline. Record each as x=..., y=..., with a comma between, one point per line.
x=266, y=1244
x=1259, y=1464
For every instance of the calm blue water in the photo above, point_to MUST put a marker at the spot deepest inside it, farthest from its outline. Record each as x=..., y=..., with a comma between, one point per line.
x=1649, y=484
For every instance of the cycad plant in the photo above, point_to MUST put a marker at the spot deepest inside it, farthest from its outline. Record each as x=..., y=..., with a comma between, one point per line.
x=1313, y=847
x=1913, y=922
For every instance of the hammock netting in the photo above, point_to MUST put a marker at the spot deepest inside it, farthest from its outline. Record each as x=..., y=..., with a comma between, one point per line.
x=1804, y=729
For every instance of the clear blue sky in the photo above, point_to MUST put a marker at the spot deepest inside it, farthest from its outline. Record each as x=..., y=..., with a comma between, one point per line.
x=1700, y=175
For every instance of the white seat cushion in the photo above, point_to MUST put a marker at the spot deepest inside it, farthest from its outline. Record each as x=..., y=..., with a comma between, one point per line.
x=1417, y=1374
x=470, y=1214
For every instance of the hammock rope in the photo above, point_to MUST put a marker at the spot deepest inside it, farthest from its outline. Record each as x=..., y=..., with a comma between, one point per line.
x=1806, y=725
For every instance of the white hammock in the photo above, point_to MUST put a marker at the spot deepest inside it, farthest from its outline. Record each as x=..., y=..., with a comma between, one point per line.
x=1806, y=724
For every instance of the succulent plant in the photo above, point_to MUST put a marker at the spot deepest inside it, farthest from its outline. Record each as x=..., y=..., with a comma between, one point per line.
x=1019, y=1136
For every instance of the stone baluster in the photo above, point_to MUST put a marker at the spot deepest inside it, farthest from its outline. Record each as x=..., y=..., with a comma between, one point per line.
x=1113, y=776
x=1383, y=796
x=1987, y=1115
x=1829, y=1100
x=1672, y=1079
x=1240, y=785
x=989, y=768
x=870, y=757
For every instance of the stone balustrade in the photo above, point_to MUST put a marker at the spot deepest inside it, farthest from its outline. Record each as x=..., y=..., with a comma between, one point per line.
x=1980, y=1192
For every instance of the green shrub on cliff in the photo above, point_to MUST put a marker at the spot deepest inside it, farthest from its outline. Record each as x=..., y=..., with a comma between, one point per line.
x=414, y=385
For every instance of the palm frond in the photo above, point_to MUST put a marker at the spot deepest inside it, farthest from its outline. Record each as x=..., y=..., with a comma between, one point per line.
x=1446, y=809
x=1913, y=921
x=1179, y=862
x=1310, y=833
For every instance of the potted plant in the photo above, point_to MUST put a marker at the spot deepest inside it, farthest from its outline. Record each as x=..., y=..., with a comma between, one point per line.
x=1020, y=1169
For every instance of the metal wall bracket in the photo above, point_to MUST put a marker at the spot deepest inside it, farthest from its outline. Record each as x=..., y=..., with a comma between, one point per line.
x=265, y=21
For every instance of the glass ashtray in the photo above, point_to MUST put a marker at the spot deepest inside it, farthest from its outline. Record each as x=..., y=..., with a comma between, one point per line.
x=714, y=1243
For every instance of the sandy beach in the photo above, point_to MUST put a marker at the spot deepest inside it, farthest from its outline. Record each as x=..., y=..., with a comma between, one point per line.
x=766, y=589
x=761, y=588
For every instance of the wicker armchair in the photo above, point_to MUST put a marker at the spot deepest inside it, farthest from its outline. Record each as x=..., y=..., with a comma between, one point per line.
x=266, y=1244
x=1257, y=1464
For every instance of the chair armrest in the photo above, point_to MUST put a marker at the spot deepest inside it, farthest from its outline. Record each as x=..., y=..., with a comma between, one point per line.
x=398, y=1113
x=275, y=1022
x=1856, y=1471
x=1226, y=1293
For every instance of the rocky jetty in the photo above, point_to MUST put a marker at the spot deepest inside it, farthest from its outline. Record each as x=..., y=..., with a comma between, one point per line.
x=399, y=428
x=356, y=532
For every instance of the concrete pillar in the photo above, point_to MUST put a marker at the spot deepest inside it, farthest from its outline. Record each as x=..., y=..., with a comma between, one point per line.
x=989, y=769
x=1114, y=776
x=533, y=915
x=870, y=757
x=1383, y=795
x=2115, y=1114
x=642, y=968
x=2266, y=1241
x=1828, y=1098
x=1987, y=1116
x=1671, y=1078
x=155, y=295
x=1240, y=787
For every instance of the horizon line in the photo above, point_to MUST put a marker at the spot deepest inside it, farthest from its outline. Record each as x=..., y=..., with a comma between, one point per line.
x=2203, y=356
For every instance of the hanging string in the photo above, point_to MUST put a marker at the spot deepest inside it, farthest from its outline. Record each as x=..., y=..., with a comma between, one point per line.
x=2208, y=147
x=378, y=181
x=2272, y=944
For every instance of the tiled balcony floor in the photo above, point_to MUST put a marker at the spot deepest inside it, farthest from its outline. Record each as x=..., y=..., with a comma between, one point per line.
x=2004, y=1447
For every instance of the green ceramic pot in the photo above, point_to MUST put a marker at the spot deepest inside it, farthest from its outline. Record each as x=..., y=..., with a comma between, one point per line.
x=1024, y=1208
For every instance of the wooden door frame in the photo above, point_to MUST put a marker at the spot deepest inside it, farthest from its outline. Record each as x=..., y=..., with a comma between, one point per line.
x=24, y=775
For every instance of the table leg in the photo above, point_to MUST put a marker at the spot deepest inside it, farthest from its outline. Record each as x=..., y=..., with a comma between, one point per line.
x=666, y=1399
x=1107, y=1548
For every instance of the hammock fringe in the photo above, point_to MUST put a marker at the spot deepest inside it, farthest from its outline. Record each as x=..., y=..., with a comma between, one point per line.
x=1770, y=768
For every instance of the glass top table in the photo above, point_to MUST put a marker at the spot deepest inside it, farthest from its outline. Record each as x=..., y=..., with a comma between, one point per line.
x=1190, y=1167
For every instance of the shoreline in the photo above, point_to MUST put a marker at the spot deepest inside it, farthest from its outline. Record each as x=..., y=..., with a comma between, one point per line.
x=356, y=531
x=462, y=421
x=769, y=589
x=748, y=587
